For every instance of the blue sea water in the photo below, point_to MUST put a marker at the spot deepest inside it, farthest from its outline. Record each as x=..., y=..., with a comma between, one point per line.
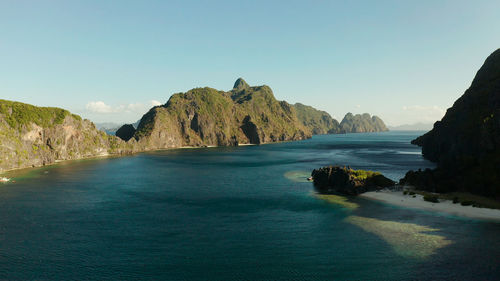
x=233, y=213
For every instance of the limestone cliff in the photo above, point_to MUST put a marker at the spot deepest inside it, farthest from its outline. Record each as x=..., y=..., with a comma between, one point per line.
x=362, y=123
x=207, y=117
x=465, y=144
x=34, y=136
x=319, y=122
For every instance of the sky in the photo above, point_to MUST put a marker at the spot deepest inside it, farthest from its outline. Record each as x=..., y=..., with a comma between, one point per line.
x=110, y=61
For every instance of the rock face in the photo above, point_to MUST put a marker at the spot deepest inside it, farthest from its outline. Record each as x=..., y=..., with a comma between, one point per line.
x=125, y=132
x=336, y=179
x=362, y=123
x=208, y=117
x=465, y=144
x=319, y=122
x=34, y=136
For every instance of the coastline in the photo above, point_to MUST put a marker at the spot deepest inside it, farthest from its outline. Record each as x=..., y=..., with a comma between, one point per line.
x=58, y=161
x=113, y=155
x=445, y=206
x=106, y=155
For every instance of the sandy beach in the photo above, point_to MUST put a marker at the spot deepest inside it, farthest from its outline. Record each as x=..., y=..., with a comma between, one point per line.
x=445, y=206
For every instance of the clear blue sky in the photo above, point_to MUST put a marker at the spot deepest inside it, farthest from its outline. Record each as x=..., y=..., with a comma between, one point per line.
x=405, y=61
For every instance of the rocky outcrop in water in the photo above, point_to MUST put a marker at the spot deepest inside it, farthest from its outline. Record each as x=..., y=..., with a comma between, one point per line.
x=362, y=123
x=465, y=144
x=34, y=136
x=334, y=179
x=319, y=122
x=208, y=117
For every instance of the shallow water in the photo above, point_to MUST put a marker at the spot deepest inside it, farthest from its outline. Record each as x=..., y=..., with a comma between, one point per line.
x=240, y=213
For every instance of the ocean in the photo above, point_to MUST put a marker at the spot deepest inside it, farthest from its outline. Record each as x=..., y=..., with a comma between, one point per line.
x=234, y=213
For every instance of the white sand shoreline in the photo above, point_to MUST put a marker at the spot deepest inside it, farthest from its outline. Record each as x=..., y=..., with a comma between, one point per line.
x=446, y=206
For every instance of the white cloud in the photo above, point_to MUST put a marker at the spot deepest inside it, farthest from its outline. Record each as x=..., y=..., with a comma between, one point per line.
x=134, y=107
x=424, y=113
x=155, y=103
x=99, y=107
x=434, y=109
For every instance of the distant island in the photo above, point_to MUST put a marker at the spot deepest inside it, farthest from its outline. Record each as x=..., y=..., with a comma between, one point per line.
x=320, y=122
x=110, y=127
x=362, y=123
x=412, y=127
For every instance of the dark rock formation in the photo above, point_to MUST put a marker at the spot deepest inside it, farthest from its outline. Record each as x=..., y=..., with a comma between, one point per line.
x=362, y=123
x=205, y=117
x=125, y=132
x=319, y=122
x=250, y=130
x=465, y=144
x=334, y=179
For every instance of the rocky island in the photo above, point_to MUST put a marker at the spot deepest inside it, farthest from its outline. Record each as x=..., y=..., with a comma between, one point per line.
x=335, y=179
x=210, y=117
x=362, y=123
x=320, y=122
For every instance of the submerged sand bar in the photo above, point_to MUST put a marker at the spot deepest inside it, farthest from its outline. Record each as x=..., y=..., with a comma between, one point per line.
x=445, y=206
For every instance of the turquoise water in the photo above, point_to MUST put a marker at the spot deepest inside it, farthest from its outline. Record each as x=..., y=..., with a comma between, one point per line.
x=239, y=213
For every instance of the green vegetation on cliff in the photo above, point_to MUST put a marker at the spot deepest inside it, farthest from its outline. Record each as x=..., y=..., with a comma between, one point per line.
x=319, y=122
x=35, y=136
x=18, y=114
x=206, y=116
x=275, y=120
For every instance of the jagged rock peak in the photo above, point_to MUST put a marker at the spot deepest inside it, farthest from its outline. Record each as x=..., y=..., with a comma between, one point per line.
x=240, y=84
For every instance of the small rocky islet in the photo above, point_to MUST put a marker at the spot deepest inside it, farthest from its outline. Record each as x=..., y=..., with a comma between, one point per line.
x=344, y=180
